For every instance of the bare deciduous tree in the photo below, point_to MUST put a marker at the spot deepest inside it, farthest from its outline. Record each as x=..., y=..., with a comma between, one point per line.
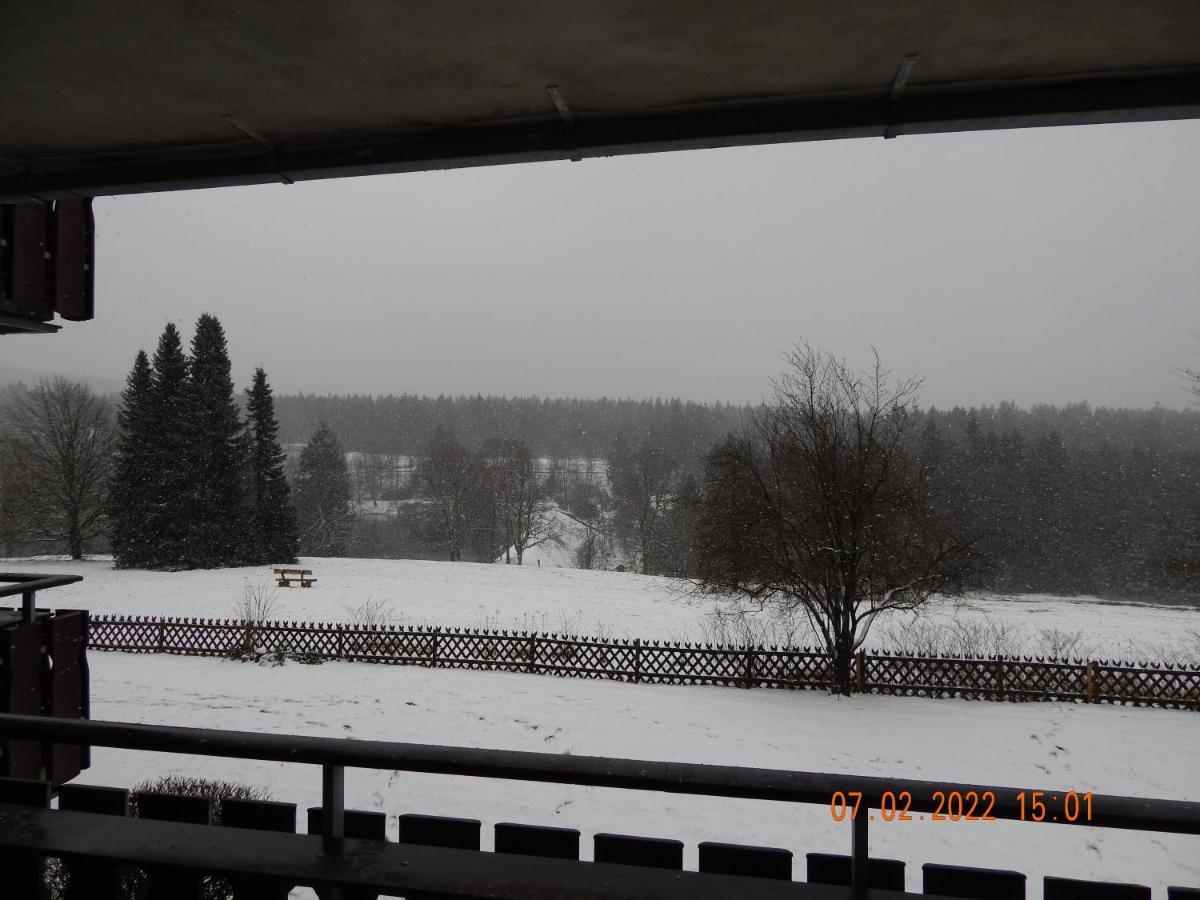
x=594, y=550
x=821, y=507
x=60, y=438
x=644, y=487
x=521, y=499
x=448, y=478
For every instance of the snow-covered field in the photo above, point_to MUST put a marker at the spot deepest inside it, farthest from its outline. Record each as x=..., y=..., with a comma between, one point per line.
x=607, y=604
x=1058, y=747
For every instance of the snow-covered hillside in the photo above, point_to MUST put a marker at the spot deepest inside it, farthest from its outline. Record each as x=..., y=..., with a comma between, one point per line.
x=606, y=604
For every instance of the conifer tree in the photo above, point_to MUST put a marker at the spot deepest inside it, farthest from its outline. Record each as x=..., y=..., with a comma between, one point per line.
x=130, y=499
x=168, y=487
x=216, y=454
x=273, y=533
x=323, y=496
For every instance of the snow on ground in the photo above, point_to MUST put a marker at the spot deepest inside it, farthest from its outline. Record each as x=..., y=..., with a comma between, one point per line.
x=605, y=604
x=1058, y=747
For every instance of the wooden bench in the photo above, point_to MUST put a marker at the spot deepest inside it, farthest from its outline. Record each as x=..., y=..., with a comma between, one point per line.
x=289, y=577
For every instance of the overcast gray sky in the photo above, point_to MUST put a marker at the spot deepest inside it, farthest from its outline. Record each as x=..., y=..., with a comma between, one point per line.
x=1037, y=265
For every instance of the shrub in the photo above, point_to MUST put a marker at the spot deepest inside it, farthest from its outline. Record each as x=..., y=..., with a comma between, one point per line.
x=134, y=883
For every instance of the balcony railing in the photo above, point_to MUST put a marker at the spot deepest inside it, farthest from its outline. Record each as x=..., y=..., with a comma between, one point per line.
x=27, y=586
x=333, y=862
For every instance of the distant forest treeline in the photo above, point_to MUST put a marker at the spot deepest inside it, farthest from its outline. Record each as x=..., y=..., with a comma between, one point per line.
x=1071, y=499
x=562, y=428
x=1067, y=499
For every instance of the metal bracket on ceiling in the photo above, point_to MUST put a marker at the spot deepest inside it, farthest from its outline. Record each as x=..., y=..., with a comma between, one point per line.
x=568, y=120
x=894, y=123
x=253, y=134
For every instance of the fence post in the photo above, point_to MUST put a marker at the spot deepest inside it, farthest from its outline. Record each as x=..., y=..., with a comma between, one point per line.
x=748, y=680
x=162, y=628
x=860, y=669
x=531, y=665
x=341, y=642
x=1000, y=681
x=1089, y=693
x=637, y=661
x=433, y=656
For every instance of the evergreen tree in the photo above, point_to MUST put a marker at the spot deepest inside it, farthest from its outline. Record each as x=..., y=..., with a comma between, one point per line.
x=169, y=486
x=130, y=498
x=273, y=534
x=217, y=450
x=323, y=496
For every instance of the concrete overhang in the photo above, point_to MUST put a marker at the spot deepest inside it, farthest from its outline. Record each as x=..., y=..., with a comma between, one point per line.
x=124, y=96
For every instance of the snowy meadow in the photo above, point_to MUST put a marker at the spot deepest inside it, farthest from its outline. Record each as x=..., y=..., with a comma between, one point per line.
x=1056, y=746
x=621, y=605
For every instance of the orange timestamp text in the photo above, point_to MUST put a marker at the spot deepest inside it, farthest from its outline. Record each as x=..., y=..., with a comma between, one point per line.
x=964, y=806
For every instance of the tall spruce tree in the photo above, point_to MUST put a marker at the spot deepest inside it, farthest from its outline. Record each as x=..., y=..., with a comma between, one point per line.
x=323, y=496
x=130, y=498
x=168, y=485
x=273, y=534
x=217, y=519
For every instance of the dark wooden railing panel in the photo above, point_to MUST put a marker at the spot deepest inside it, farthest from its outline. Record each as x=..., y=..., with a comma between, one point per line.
x=971, y=883
x=362, y=824
x=109, y=801
x=65, y=635
x=627, y=850
x=440, y=831
x=259, y=815
x=1074, y=889
x=174, y=881
x=537, y=840
x=21, y=693
x=92, y=879
x=835, y=868
x=739, y=859
x=22, y=873
x=359, y=824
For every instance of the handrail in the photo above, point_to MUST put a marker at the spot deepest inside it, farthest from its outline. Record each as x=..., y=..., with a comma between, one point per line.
x=1107, y=811
x=26, y=584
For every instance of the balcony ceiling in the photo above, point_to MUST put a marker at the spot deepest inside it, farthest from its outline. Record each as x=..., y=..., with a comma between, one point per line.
x=134, y=95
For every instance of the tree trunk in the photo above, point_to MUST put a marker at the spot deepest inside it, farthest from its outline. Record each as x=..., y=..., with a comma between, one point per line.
x=841, y=674
x=75, y=540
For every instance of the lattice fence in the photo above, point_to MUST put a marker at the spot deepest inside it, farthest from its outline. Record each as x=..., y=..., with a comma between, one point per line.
x=658, y=662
